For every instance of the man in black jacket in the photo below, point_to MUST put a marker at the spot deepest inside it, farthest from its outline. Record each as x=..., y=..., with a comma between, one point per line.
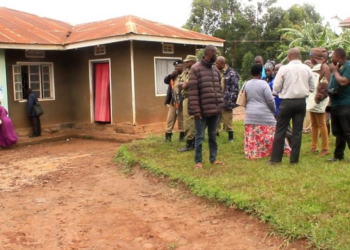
x=34, y=118
x=173, y=101
x=230, y=89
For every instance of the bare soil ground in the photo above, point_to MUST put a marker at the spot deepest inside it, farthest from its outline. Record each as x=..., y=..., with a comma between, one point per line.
x=69, y=195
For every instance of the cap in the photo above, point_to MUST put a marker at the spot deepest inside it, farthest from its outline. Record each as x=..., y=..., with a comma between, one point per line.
x=190, y=58
x=317, y=55
x=178, y=62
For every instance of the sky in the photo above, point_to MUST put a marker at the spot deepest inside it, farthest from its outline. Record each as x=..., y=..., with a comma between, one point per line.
x=169, y=12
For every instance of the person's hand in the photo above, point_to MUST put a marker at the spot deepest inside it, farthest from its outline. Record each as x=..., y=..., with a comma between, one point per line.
x=174, y=74
x=197, y=116
x=335, y=67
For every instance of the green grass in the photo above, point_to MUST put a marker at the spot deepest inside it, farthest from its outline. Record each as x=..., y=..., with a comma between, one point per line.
x=310, y=200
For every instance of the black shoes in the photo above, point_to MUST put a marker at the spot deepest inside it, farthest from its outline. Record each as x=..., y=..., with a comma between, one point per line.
x=182, y=136
x=230, y=136
x=189, y=146
x=168, y=137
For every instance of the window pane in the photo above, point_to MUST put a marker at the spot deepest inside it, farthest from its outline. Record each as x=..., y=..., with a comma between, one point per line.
x=37, y=94
x=34, y=78
x=34, y=69
x=18, y=87
x=17, y=69
x=35, y=86
x=18, y=78
x=19, y=96
x=163, y=68
x=47, y=94
x=46, y=69
x=46, y=77
x=47, y=86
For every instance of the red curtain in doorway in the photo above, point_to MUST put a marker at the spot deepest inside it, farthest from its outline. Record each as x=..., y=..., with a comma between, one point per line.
x=102, y=95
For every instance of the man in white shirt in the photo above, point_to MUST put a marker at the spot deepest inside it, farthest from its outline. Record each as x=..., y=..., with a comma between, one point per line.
x=294, y=82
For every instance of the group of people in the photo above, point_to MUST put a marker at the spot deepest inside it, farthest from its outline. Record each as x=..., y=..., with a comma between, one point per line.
x=8, y=136
x=203, y=94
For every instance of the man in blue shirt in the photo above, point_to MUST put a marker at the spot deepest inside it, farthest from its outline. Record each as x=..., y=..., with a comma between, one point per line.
x=339, y=93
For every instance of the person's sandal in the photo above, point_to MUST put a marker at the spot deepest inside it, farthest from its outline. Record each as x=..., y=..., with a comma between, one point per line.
x=216, y=162
x=198, y=165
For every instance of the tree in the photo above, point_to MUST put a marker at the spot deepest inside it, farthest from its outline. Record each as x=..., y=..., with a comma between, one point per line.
x=248, y=61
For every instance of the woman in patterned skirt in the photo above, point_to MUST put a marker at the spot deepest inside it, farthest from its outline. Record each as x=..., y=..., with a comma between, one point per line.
x=259, y=116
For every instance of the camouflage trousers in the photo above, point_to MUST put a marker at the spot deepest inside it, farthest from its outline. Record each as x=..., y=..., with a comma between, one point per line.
x=188, y=121
x=226, y=118
x=171, y=119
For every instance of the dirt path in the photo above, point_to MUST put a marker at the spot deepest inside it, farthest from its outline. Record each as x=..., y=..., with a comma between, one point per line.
x=70, y=196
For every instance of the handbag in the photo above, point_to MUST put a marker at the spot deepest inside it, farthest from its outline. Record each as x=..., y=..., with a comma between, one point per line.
x=37, y=109
x=242, y=97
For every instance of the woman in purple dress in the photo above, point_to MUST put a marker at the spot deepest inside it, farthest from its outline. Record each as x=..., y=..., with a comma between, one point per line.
x=8, y=135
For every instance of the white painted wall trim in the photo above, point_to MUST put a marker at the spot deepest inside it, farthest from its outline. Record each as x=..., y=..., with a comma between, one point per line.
x=91, y=87
x=133, y=96
x=127, y=37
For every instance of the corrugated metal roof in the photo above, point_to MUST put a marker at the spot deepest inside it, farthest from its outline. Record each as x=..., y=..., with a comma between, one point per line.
x=345, y=22
x=18, y=27
x=24, y=28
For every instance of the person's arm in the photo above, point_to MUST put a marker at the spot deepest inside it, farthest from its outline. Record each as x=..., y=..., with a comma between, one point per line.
x=173, y=75
x=31, y=101
x=326, y=72
x=270, y=100
x=193, y=95
x=342, y=80
x=234, y=80
x=311, y=81
x=277, y=83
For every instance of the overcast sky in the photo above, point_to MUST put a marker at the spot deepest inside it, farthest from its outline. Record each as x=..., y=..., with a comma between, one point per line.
x=170, y=12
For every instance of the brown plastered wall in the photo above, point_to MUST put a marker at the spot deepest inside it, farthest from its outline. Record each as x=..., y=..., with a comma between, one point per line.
x=119, y=54
x=149, y=107
x=56, y=111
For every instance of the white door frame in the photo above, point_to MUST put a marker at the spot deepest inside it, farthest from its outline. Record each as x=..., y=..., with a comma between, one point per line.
x=91, y=80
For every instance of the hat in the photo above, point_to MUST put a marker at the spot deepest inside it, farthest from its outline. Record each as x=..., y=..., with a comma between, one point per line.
x=269, y=65
x=190, y=58
x=317, y=55
x=178, y=62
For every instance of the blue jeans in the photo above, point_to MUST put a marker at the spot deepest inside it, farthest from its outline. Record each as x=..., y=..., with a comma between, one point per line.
x=201, y=124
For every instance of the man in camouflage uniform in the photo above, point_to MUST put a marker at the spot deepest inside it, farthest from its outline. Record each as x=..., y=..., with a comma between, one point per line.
x=188, y=119
x=173, y=101
x=230, y=89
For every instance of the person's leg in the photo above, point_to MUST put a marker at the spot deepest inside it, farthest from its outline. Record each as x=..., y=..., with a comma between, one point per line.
x=180, y=120
x=283, y=119
x=321, y=121
x=212, y=122
x=219, y=126
x=344, y=118
x=200, y=130
x=337, y=131
x=33, y=122
x=171, y=119
x=314, y=132
x=228, y=123
x=39, y=127
x=297, y=128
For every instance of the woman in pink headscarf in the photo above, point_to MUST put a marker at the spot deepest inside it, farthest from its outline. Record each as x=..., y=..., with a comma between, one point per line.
x=8, y=135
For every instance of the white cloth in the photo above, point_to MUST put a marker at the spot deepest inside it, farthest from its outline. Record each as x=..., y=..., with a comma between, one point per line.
x=294, y=80
x=311, y=105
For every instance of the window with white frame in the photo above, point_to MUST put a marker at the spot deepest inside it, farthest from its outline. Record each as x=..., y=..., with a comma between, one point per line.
x=100, y=50
x=168, y=48
x=35, y=53
x=37, y=76
x=163, y=66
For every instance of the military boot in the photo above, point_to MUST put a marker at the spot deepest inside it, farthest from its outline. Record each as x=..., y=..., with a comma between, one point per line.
x=182, y=136
x=230, y=136
x=168, y=137
x=189, y=146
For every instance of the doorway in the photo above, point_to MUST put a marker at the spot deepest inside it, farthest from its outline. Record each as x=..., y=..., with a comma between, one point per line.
x=101, y=92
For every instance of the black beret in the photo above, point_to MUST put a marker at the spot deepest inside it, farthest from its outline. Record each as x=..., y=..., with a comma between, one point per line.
x=178, y=62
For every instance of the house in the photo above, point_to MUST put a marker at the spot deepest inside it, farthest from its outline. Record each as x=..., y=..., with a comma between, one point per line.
x=109, y=71
x=345, y=23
